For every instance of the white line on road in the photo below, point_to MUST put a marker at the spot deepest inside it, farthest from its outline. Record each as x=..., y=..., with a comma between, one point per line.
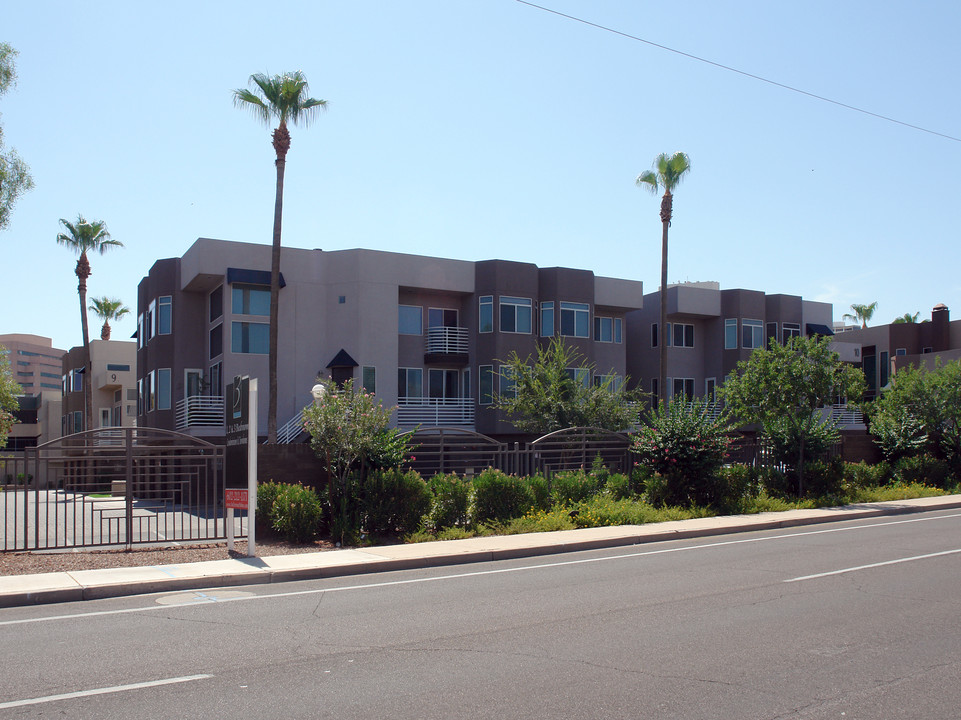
x=440, y=578
x=873, y=565
x=102, y=691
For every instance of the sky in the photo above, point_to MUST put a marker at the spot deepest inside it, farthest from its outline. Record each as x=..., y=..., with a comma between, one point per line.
x=479, y=129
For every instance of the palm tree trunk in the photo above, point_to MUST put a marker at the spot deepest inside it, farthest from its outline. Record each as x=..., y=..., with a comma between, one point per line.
x=83, y=272
x=667, y=203
x=281, y=163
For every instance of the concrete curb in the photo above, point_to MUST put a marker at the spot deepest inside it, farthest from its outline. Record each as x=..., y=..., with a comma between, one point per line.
x=19, y=590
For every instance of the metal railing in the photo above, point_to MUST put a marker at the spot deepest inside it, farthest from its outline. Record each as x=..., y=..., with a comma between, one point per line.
x=846, y=415
x=200, y=411
x=435, y=412
x=291, y=430
x=447, y=341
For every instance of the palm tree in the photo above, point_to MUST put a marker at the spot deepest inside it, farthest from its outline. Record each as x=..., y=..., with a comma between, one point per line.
x=108, y=309
x=667, y=173
x=83, y=237
x=907, y=318
x=283, y=98
x=861, y=313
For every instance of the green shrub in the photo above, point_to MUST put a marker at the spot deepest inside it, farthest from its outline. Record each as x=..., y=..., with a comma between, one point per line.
x=571, y=486
x=296, y=513
x=619, y=486
x=394, y=501
x=450, y=496
x=924, y=469
x=497, y=496
x=541, y=492
x=823, y=478
x=862, y=475
x=266, y=495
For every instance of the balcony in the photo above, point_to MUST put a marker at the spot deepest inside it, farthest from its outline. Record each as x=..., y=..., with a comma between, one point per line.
x=446, y=344
x=200, y=411
x=435, y=412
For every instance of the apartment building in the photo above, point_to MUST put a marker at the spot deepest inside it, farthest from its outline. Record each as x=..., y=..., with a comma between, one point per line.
x=710, y=330
x=427, y=335
x=34, y=362
x=881, y=350
x=113, y=364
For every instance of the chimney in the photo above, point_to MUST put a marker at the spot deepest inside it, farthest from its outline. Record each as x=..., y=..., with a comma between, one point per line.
x=940, y=332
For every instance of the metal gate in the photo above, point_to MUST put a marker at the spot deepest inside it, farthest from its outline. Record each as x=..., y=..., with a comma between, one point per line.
x=113, y=486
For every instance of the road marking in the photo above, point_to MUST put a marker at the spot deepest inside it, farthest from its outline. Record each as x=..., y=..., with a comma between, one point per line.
x=102, y=691
x=198, y=602
x=873, y=565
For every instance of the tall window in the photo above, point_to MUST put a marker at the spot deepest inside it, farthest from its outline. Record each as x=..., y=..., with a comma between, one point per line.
x=249, y=338
x=410, y=383
x=547, y=319
x=164, y=314
x=215, y=303
x=730, y=334
x=752, y=334
x=141, y=335
x=485, y=380
x=609, y=329
x=790, y=330
x=163, y=389
x=441, y=317
x=581, y=376
x=485, y=310
x=884, y=369
x=410, y=319
x=508, y=387
x=249, y=299
x=683, y=335
x=575, y=319
x=216, y=341
x=710, y=390
x=516, y=314
x=683, y=388
x=149, y=321
x=369, y=379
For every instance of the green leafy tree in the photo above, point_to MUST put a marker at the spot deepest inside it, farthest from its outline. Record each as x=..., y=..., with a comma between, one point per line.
x=548, y=396
x=861, y=313
x=667, y=173
x=14, y=174
x=907, y=318
x=9, y=389
x=107, y=309
x=284, y=99
x=83, y=237
x=920, y=414
x=783, y=388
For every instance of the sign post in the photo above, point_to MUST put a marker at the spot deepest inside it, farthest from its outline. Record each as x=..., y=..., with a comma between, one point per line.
x=242, y=430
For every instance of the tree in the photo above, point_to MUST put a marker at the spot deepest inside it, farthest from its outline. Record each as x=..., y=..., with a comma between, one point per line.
x=108, y=309
x=861, y=313
x=9, y=389
x=547, y=395
x=283, y=98
x=907, y=318
x=14, y=174
x=86, y=237
x=668, y=172
x=783, y=388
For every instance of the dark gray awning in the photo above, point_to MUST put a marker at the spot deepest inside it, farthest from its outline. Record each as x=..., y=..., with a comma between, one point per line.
x=251, y=277
x=816, y=329
x=342, y=359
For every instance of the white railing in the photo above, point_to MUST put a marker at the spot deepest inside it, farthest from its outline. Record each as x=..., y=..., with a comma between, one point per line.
x=435, y=412
x=291, y=430
x=200, y=411
x=447, y=341
x=845, y=415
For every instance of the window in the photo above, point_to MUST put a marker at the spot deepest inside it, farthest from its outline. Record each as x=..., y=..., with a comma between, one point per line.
x=581, y=376
x=683, y=389
x=575, y=319
x=442, y=384
x=441, y=317
x=547, y=319
x=49, y=386
x=410, y=319
x=790, y=330
x=610, y=330
x=710, y=390
x=163, y=389
x=485, y=309
x=111, y=367
x=164, y=314
x=515, y=314
x=410, y=383
x=54, y=375
x=104, y=417
x=77, y=421
x=249, y=299
x=900, y=351
x=770, y=333
x=752, y=334
x=507, y=388
x=730, y=334
x=215, y=303
x=654, y=394
x=216, y=341
x=141, y=337
x=485, y=381
x=885, y=368
x=249, y=338
x=149, y=321
x=216, y=375
x=683, y=335
x=369, y=379
x=150, y=387
x=612, y=382
x=465, y=375
x=925, y=351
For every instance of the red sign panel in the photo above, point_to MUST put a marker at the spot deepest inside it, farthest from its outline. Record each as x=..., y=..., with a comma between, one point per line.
x=235, y=498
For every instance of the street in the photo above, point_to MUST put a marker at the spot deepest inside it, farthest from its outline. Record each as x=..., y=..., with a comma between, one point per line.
x=856, y=620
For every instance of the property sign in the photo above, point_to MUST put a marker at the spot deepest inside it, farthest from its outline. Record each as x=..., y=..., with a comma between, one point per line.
x=237, y=410
x=235, y=498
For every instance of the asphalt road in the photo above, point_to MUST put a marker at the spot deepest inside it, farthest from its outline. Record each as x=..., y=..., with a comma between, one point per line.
x=858, y=620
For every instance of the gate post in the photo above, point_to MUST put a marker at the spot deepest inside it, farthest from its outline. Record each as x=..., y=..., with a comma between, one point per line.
x=128, y=485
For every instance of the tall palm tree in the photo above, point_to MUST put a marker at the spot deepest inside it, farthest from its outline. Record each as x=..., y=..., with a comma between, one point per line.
x=84, y=237
x=668, y=172
x=107, y=309
x=907, y=318
x=283, y=98
x=861, y=313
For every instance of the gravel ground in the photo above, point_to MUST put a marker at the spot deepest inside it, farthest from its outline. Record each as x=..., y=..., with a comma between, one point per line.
x=27, y=563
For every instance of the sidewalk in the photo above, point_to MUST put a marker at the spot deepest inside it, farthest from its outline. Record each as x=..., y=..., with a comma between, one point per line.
x=18, y=590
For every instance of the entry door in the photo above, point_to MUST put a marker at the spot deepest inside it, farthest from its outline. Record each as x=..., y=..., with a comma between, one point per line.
x=443, y=384
x=441, y=317
x=193, y=383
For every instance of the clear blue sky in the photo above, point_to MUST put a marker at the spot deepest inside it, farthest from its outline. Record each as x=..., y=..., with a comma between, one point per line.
x=491, y=129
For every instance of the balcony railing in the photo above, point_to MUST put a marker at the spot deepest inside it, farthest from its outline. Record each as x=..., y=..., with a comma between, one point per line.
x=291, y=430
x=446, y=341
x=845, y=415
x=435, y=412
x=200, y=411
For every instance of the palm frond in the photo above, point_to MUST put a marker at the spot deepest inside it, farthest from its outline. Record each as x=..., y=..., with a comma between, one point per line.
x=647, y=179
x=280, y=97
